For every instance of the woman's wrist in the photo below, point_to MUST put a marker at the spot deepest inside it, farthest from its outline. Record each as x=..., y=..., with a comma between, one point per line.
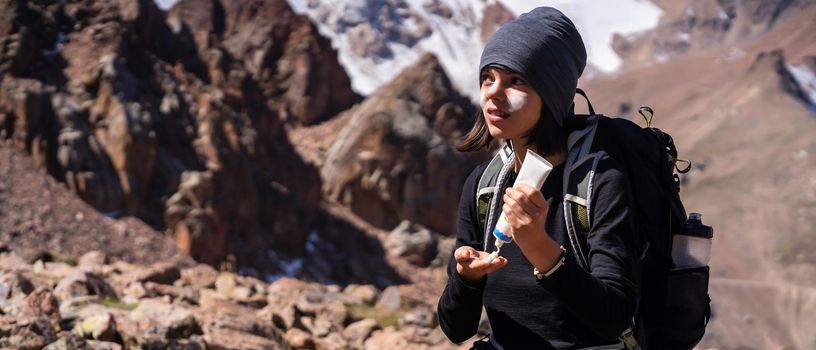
x=541, y=250
x=467, y=278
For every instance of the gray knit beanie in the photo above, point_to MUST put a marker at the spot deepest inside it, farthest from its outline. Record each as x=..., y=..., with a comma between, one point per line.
x=546, y=49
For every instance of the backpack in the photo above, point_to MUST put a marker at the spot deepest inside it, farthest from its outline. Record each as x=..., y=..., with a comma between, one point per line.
x=674, y=305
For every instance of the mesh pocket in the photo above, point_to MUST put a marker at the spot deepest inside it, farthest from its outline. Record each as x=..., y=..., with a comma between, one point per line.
x=482, y=206
x=583, y=217
x=687, y=308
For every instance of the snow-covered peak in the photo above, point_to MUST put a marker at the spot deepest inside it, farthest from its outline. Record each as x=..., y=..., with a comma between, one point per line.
x=376, y=39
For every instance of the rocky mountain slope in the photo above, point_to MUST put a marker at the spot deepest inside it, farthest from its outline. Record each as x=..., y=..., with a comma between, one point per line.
x=738, y=111
x=41, y=219
x=693, y=26
x=177, y=118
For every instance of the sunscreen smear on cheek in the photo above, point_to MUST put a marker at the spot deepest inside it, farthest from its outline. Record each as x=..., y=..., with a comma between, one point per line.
x=516, y=101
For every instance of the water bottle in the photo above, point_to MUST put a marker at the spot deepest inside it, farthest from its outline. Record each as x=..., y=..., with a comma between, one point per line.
x=692, y=247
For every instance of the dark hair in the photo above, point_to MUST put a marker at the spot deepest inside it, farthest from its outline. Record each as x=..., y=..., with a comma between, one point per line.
x=548, y=137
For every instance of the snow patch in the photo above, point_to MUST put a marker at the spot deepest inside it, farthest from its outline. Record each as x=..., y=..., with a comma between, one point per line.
x=290, y=268
x=661, y=57
x=806, y=79
x=731, y=56
x=722, y=14
x=800, y=154
x=58, y=45
x=312, y=241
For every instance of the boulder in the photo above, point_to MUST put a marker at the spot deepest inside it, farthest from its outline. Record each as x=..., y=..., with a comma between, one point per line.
x=82, y=283
x=215, y=313
x=299, y=339
x=421, y=316
x=332, y=315
x=359, y=331
x=105, y=345
x=100, y=326
x=198, y=276
x=68, y=341
x=365, y=294
x=92, y=258
x=414, y=243
x=14, y=288
x=163, y=273
x=42, y=303
x=227, y=339
x=390, y=300
x=387, y=338
x=176, y=293
x=333, y=341
x=26, y=333
x=155, y=317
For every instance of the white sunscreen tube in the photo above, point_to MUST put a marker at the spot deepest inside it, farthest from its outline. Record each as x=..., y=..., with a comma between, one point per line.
x=534, y=171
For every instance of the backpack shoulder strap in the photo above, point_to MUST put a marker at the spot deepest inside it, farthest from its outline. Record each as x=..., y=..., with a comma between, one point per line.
x=487, y=180
x=487, y=186
x=579, y=174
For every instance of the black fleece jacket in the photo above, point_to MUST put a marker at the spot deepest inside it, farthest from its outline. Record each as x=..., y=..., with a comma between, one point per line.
x=571, y=308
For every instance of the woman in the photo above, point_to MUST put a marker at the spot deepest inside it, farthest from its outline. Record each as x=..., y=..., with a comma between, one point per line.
x=529, y=71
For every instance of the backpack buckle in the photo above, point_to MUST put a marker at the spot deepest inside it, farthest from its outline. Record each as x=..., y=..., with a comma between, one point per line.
x=628, y=339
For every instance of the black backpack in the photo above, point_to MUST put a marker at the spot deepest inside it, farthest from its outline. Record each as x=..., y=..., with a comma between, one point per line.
x=674, y=305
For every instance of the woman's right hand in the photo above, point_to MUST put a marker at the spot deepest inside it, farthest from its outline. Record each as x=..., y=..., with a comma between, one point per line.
x=472, y=264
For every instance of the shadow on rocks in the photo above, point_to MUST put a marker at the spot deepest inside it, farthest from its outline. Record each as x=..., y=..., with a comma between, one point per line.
x=340, y=253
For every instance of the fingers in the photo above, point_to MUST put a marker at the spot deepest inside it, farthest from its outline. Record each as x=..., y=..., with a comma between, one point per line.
x=484, y=267
x=517, y=212
x=465, y=254
x=525, y=204
x=533, y=194
x=472, y=265
x=496, y=264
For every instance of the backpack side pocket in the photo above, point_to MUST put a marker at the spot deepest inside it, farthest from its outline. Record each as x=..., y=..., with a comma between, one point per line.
x=688, y=308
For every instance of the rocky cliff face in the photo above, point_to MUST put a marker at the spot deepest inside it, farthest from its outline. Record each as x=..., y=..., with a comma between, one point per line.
x=296, y=69
x=393, y=160
x=174, y=119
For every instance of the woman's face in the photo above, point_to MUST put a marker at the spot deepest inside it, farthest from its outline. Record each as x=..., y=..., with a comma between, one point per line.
x=510, y=106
